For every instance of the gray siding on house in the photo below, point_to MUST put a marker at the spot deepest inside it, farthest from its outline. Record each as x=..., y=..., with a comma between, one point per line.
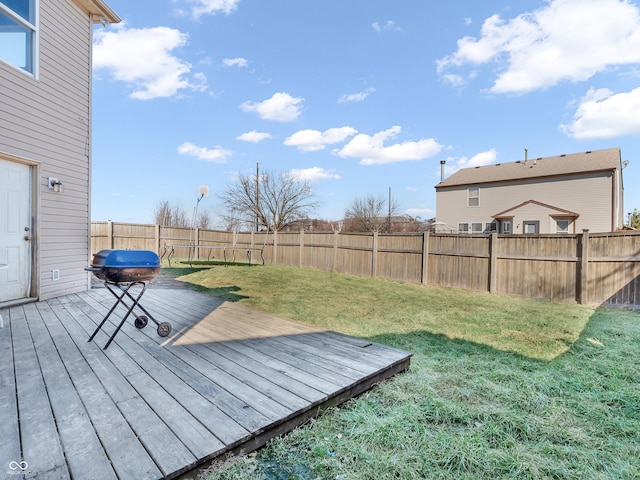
x=46, y=122
x=590, y=195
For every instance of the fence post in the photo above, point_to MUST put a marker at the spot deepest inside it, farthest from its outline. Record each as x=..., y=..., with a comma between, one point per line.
x=374, y=255
x=583, y=293
x=493, y=262
x=196, y=241
x=335, y=250
x=110, y=234
x=425, y=258
x=157, y=237
x=301, y=245
x=275, y=247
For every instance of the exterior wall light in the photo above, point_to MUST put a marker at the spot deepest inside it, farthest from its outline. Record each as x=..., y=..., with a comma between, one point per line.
x=55, y=185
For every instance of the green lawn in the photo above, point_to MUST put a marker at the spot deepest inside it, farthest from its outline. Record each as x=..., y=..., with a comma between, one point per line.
x=499, y=386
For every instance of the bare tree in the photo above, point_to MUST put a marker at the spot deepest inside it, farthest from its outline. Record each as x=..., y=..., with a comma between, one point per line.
x=634, y=219
x=370, y=214
x=170, y=215
x=204, y=220
x=271, y=201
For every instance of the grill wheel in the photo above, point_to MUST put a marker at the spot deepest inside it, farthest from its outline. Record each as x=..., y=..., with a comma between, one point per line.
x=141, y=321
x=164, y=329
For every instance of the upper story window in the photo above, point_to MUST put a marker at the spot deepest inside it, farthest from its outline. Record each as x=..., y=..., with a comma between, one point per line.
x=18, y=33
x=473, y=197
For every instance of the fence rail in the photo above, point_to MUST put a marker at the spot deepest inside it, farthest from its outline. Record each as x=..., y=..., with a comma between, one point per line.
x=585, y=268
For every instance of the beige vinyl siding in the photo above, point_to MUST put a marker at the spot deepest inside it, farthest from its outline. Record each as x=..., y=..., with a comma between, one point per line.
x=47, y=120
x=589, y=195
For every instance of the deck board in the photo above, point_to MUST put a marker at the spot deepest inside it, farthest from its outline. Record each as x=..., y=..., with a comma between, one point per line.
x=228, y=378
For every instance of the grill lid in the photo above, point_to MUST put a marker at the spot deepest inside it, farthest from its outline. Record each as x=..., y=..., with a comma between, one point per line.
x=126, y=259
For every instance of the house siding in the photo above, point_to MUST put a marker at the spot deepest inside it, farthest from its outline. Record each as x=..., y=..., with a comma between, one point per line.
x=46, y=122
x=591, y=195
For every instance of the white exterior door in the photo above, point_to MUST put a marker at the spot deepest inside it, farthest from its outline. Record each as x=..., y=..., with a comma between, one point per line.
x=15, y=230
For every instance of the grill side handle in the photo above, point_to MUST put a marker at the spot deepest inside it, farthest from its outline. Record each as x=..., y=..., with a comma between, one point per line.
x=93, y=269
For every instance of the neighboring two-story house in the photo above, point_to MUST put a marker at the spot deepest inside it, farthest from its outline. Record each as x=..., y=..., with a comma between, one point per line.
x=562, y=194
x=45, y=145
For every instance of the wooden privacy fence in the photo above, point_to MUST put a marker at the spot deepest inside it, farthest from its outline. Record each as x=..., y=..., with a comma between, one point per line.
x=584, y=268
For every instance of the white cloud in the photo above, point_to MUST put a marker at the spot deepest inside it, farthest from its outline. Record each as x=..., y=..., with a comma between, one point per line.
x=254, y=136
x=313, y=140
x=211, y=7
x=313, y=174
x=487, y=157
x=356, y=97
x=281, y=107
x=215, y=155
x=454, y=80
x=603, y=114
x=389, y=25
x=161, y=74
x=371, y=149
x=235, y=62
x=566, y=40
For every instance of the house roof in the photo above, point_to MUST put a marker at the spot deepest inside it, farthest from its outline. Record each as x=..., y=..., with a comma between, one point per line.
x=101, y=12
x=591, y=161
x=558, y=211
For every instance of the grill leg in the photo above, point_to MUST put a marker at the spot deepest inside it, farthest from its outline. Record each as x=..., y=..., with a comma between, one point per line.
x=125, y=292
x=137, y=304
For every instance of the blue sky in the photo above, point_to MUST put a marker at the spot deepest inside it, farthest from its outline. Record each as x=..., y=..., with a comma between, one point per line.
x=357, y=97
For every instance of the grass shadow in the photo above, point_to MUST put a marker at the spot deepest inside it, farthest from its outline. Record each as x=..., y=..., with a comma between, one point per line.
x=181, y=274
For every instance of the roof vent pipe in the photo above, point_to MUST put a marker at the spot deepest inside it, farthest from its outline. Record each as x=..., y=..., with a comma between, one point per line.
x=442, y=162
x=526, y=155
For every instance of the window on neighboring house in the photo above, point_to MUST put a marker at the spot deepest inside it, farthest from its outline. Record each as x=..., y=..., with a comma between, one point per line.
x=476, y=227
x=473, y=197
x=491, y=227
x=463, y=228
x=18, y=33
x=506, y=226
x=562, y=225
x=531, y=227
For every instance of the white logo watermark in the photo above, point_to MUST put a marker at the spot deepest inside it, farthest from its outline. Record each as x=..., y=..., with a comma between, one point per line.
x=16, y=468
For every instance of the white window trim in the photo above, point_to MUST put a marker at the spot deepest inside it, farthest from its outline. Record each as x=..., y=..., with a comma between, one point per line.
x=469, y=197
x=35, y=28
x=557, y=220
x=470, y=230
x=531, y=222
x=491, y=226
x=503, y=223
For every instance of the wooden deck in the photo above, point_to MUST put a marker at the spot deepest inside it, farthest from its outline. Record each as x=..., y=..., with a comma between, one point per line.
x=228, y=378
